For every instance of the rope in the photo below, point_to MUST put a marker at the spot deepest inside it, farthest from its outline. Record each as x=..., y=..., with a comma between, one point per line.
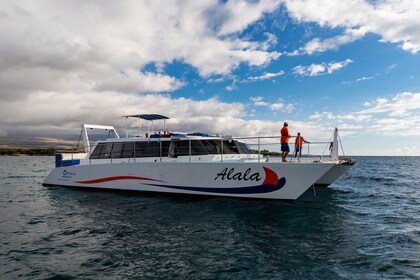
x=78, y=141
x=327, y=145
x=341, y=145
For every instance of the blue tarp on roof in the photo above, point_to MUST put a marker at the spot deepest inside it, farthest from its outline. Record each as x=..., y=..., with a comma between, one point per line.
x=148, y=117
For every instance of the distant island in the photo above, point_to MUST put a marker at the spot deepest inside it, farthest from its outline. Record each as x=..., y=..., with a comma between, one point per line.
x=27, y=151
x=10, y=146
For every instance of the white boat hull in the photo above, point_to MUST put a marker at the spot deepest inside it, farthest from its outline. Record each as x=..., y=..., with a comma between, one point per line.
x=332, y=175
x=248, y=180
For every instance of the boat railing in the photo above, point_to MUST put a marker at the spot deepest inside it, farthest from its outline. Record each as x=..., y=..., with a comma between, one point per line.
x=268, y=148
x=262, y=149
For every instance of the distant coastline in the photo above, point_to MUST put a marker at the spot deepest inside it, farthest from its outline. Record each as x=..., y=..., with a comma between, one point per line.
x=27, y=151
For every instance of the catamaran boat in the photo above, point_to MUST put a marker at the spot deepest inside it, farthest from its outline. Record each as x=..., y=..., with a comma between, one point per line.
x=190, y=164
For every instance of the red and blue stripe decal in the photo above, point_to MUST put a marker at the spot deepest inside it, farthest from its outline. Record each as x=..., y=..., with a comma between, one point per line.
x=116, y=178
x=270, y=184
x=240, y=190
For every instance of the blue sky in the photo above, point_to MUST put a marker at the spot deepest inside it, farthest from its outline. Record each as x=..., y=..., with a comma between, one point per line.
x=228, y=67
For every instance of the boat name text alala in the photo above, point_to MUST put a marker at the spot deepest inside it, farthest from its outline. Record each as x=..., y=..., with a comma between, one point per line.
x=231, y=175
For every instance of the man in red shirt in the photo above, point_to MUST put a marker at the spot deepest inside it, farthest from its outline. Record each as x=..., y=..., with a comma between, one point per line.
x=298, y=144
x=284, y=132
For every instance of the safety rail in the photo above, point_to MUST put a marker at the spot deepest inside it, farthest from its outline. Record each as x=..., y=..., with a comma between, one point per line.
x=267, y=149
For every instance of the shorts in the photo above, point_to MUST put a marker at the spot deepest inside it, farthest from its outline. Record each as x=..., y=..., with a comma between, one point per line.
x=285, y=147
x=298, y=149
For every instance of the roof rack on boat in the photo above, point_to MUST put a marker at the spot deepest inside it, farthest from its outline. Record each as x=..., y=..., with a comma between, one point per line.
x=111, y=131
x=147, y=117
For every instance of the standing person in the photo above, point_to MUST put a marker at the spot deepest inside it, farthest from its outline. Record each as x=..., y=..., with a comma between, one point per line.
x=298, y=144
x=284, y=132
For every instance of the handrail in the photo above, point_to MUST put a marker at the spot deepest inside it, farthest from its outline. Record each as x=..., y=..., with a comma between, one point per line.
x=261, y=146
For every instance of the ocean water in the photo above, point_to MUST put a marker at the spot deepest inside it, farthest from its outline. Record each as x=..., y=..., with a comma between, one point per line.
x=365, y=226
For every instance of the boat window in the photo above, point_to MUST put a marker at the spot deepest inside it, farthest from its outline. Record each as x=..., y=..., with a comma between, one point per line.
x=201, y=147
x=229, y=147
x=151, y=149
x=113, y=150
x=165, y=148
x=197, y=148
x=215, y=147
x=173, y=149
x=182, y=148
x=244, y=148
x=106, y=150
x=127, y=150
x=212, y=146
x=116, y=150
x=169, y=148
x=97, y=151
x=123, y=150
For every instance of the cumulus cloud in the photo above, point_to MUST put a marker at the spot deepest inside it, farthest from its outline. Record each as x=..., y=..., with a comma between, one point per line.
x=395, y=21
x=401, y=104
x=258, y=101
x=103, y=39
x=131, y=81
x=279, y=106
x=60, y=112
x=282, y=107
x=65, y=113
x=320, y=69
x=63, y=62
x=241, y=13
x=318, y=45
x=396, y=115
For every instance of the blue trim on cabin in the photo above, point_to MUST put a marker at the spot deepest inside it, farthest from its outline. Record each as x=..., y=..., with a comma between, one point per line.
x=59, y=162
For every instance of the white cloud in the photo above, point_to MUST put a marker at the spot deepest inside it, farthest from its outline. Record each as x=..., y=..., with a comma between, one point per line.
x=258, y=101
x=282, y=107
x=401, y=104
x=396, y=21
x=279, y=106
x=318, y=45
x=364, y=79
x=240, y=14
x=265, y=76
x=86, y=59
x=322, y=115
x=406, y=149
x=132, y=81
x=320, y=69
x=358, y=80
x=57, y=112
x=270, y=42
x=391, y=67
x=65, y=113
x=67, y=45
x=395, y=116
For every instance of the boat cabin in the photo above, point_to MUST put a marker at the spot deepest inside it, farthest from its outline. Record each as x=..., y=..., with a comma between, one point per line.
x=168, y=147
x=164, y=144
